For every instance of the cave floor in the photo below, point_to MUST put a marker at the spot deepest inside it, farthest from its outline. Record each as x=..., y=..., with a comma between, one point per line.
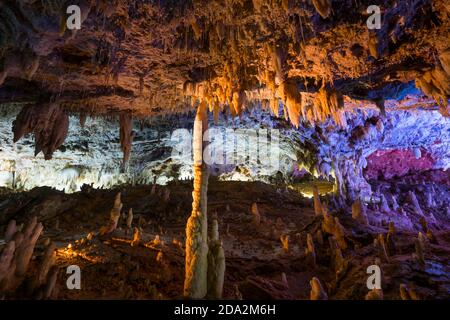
x=154, y=269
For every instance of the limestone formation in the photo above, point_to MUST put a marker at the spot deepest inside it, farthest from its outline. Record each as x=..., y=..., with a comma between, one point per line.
x=216, y=264
x=114, y=216
x=359, y=212
x=380, y=246
x=310, y=250
x=390, y=240
x=16, y=256
x=323, y=7
x=384, y=204
x=408, y=293
x=419, y=245
x=255, y=214
x=285, y=242
x=374, y=294
x=136, y=237
x=48, y=122
x=317, y=203
x=11, y=229
x=129, y=218
x=319, y=237
x=195, y=283
x=317, y=292
x=126, y=135
x=339, y=233
x=415, y=203
x=332, y=226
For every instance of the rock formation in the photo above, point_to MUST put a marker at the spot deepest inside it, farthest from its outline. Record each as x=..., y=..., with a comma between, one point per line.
x=49, y=124
x=317, y=291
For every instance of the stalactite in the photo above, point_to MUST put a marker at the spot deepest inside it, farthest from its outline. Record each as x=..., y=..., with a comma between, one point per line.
x=195, y=283
x=126, y=135
x=49, y=124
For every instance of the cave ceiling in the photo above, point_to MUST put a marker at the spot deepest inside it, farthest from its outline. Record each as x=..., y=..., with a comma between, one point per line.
x=164, y=57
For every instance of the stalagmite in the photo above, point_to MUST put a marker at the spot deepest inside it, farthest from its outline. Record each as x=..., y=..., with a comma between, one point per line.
x=323, y=7
x=317, y=203
x=195, y=283
x=285, y=242
x=328, y=223
x=339, y=233
x=374, y=294
x=25, y=248
x=419, y=245
x=415, y=203
x=359, y=212
x=47, y=262
x=216, y=263
x=384, y=204
x=390, y=240
x=16, y=255
x=136, y=237
x=310, y=250
x=380, y=246
x=10, y=230
x=428, y=232
x=114, y=216
x=317, y=292
x=284, y=279
x=319, y=237
x=129, y=218
x=395, y=205
x=408, y=293
x=340, y=265
x=255, y=214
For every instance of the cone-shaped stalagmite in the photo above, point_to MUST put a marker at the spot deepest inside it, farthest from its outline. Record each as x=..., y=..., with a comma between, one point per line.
x=317, y=203
x=114, y=216
x=359, y=212
x=195, y=282
x=216, y=263
x=317, y=292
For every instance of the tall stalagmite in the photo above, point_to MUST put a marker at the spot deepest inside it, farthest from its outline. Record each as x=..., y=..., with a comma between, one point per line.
x=195, y=282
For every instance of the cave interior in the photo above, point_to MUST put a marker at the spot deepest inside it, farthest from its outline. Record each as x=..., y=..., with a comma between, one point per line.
x=225, y=149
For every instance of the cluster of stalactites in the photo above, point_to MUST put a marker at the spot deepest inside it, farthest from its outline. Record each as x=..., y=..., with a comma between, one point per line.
x=436, y=82
x=296, y=106
x=48, y=122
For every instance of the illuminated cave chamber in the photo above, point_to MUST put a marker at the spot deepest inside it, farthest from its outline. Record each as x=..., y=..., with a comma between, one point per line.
x=92, y=121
